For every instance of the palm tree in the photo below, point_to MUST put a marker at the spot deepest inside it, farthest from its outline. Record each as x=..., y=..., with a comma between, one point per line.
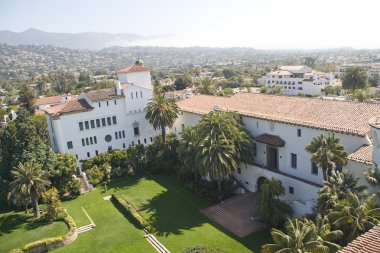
x=221, y=146
x=372, y=175
x=272, y=209
x=206, y=87
x=30, y=179
x=354, y=78
x=162, y=112
x=106, y=168
x=327, y=153
x=326, y=235
x=187, y=150
x=300, y=237
x=355, y=215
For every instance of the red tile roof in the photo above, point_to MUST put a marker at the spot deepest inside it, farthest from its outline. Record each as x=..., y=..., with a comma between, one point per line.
x=273, y=140
x=52, y=100
x=344, y=117
x=368, y=242
x=375, y=122
x=134, y=68
x=79, y=105
x=103, y=94
x=362, y=155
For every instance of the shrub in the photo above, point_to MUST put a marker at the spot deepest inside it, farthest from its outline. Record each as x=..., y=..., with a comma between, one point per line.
x=43, y=242
x=53, y=205
x=201, y=249
x=133, y=213
x=95, y=175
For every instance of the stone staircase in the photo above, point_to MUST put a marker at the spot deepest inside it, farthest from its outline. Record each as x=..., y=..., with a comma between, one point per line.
x=85, y=228
x=155, y=243
x=240, y=227
x=85, y=185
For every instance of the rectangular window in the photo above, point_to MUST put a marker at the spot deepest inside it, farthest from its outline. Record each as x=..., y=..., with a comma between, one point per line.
x=88, y=154
x=294, y=160
x=183, y=127
x=95, y=140
x=109, y=121
x=86, y=125
x=271, y=125
x=132, y=95
x=151, y=139
x=100, y=105
x=123, y=134
x=136, y=95
x=136, y=131
x=254, y=149
x=92, y=123
x=103, y=121
x=299, y=132
x=69, y=144
x=96, y=152
x=115, y=102
x=91, y=141
x=119, y=134
x=145, y=141
x=114, y=120
x=291, y=190
x=138, y=141
x=97, y=122
x=108, y=103
x=141, y=94
x=109, y=148
x=123, y=145
x=81, y=126
x=257, y=124
x=116, y=136
x=314, y=169
x=133, y=143
x=83, y=144
x=87, y=142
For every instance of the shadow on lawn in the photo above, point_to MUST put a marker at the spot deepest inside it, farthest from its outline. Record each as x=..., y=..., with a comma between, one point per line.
x=9, y=223
x=171, y=214
x=122, y=183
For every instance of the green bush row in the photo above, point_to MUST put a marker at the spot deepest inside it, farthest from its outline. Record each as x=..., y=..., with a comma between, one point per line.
x=133, y=213
x=47, y=241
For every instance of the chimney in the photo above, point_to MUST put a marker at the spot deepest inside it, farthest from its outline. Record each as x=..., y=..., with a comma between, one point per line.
x=118, y=88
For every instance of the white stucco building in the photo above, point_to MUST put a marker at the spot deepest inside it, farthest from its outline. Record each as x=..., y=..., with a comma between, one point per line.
x=298, y=79
x=106, y=119
x=282, y=126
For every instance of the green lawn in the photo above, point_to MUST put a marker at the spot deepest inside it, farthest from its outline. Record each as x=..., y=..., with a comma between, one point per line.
x=171, y=209
x=14, y=232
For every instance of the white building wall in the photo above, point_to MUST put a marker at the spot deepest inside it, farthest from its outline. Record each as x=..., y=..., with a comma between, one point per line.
x=305, y=193
x=375, y=133
x=142, y=79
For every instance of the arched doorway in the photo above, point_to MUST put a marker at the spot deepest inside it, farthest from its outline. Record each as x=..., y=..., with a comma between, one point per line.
x=260, y=182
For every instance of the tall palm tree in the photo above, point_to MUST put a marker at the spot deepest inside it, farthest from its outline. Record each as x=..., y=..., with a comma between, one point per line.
x=30, y=179
x=327, y=153
x=300, y=236
x=187, y=149
x=273, y=210
x=222, y=143
x=372, y=175
x=355, y=215
x=206, y=87
x=161, y=112
x=326, y=235
x=354, y=78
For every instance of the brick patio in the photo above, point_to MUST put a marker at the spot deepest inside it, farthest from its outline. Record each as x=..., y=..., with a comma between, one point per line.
x=238, y=214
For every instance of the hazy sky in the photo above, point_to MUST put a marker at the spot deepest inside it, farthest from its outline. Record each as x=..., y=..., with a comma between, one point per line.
x=262, y=24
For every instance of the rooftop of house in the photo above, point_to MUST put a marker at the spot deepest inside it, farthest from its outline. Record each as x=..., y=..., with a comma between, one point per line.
x=103, y=94
x=133, y=68
x=368, y=242
x=79, y=105
x=362, y=154
x=375, y=122
x=338, y=116
x=281, y=73
x=292, y=68
x=53, y=100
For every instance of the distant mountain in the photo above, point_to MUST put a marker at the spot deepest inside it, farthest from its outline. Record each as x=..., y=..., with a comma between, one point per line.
x=87, y=40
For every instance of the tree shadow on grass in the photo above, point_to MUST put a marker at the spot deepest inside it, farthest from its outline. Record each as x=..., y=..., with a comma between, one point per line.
x=11, y=222
x=122, y=183
x=169, y=214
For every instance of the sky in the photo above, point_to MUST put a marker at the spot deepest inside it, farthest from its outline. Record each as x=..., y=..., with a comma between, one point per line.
x=262, y=24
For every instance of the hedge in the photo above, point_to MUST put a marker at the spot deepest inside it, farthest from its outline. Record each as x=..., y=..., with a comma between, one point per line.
x=133, y=213
x=46, y=242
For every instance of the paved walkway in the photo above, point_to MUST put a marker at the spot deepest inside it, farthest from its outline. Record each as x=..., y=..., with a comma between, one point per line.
x=238, y=214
